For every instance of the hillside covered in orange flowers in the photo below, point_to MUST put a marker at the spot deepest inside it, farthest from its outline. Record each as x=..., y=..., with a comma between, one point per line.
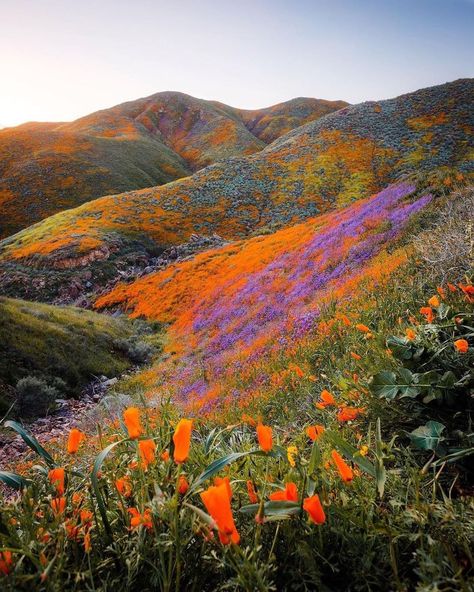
x=326, y=164
x=48, y=167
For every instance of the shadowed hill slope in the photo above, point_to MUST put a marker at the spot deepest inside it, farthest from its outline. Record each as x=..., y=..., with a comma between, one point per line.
x=325, y=164
x=48, y=167
x=273, y=122
x=64, y=346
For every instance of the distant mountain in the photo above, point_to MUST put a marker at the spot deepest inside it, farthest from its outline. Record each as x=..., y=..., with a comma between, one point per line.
x=328, y=163
x=48, y=167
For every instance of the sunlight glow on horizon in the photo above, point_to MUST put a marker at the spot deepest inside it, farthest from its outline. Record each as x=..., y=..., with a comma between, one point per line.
x=63, y=60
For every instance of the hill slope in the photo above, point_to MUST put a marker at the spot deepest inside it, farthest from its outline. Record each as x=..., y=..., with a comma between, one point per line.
x=233, y=307
x=48, y=167
x=328, y=163
x=51, y=343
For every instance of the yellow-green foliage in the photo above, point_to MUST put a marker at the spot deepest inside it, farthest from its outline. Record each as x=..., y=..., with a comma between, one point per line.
x=58, y=342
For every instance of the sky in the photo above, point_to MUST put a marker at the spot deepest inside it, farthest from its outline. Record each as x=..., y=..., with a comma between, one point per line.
x=61, y=59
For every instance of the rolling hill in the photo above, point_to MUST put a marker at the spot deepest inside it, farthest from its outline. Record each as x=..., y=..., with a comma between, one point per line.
x=48, y=167
x=325, y=164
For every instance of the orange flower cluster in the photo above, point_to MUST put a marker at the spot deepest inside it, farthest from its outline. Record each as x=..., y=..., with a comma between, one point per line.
x=140, y=519
x=146, y=450
x=343, y=468
x=314, y=432
x=327, y=399
x=6, y=562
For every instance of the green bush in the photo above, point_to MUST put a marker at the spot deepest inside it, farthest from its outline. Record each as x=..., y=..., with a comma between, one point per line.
x=434, y=378
x=34, y=396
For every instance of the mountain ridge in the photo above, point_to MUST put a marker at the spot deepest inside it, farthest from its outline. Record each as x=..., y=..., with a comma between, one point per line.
x=322, y=165
x=47, y=167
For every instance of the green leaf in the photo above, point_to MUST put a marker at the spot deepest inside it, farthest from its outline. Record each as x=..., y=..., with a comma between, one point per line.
x=407, y=383
x=384, y=384
x=455, y=456
x=220, y=463
x=96, y=487
x=13, y=480
x=274, y=508
x=315, y=459
x=400, y=347
x=428, y=437
x=448, y=380
x=350, y=452
x=31, y=441
x=389, y=384
x=380, y=472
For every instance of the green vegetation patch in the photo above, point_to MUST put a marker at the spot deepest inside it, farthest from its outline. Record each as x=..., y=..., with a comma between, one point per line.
x=62, y=346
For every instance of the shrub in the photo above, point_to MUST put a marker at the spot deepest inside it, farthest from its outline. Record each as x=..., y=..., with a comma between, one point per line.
x=447, y=248
x=139, y=352
x=34, y=396
x=434, y=373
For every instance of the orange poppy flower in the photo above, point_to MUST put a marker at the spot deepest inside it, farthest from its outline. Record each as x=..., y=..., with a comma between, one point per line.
x=434, y=301
x=6, y=562
x=87, y=542
x=182, y=440
x=248, y=419
x=138, y=519
x=56, y=478
x=58, y=505
x=296, y=369
x=327, y=399
x=183, y=485
x=74, y=440
x=452, y=287
x=362, y=328
x=441, y=291
x=313, y=506
x=217, y=502
x=265, y=438
x=356, y=356
x=165, y=456
x=77, y=498
x=468, y=291
x=290, y=493
x=252, y=493
x=124, y=487
x=344, y=469
x=146, y=449
x=345, y=319
x=410, y=334
x=72, y=530
x=428, y=313
x=226, y=481
x=461, y=345
x=349, y=413
x=131, y=417
x=314, y=432
x=86, y=517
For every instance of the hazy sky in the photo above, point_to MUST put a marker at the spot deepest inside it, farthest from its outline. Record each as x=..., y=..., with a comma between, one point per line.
x=60, y=59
